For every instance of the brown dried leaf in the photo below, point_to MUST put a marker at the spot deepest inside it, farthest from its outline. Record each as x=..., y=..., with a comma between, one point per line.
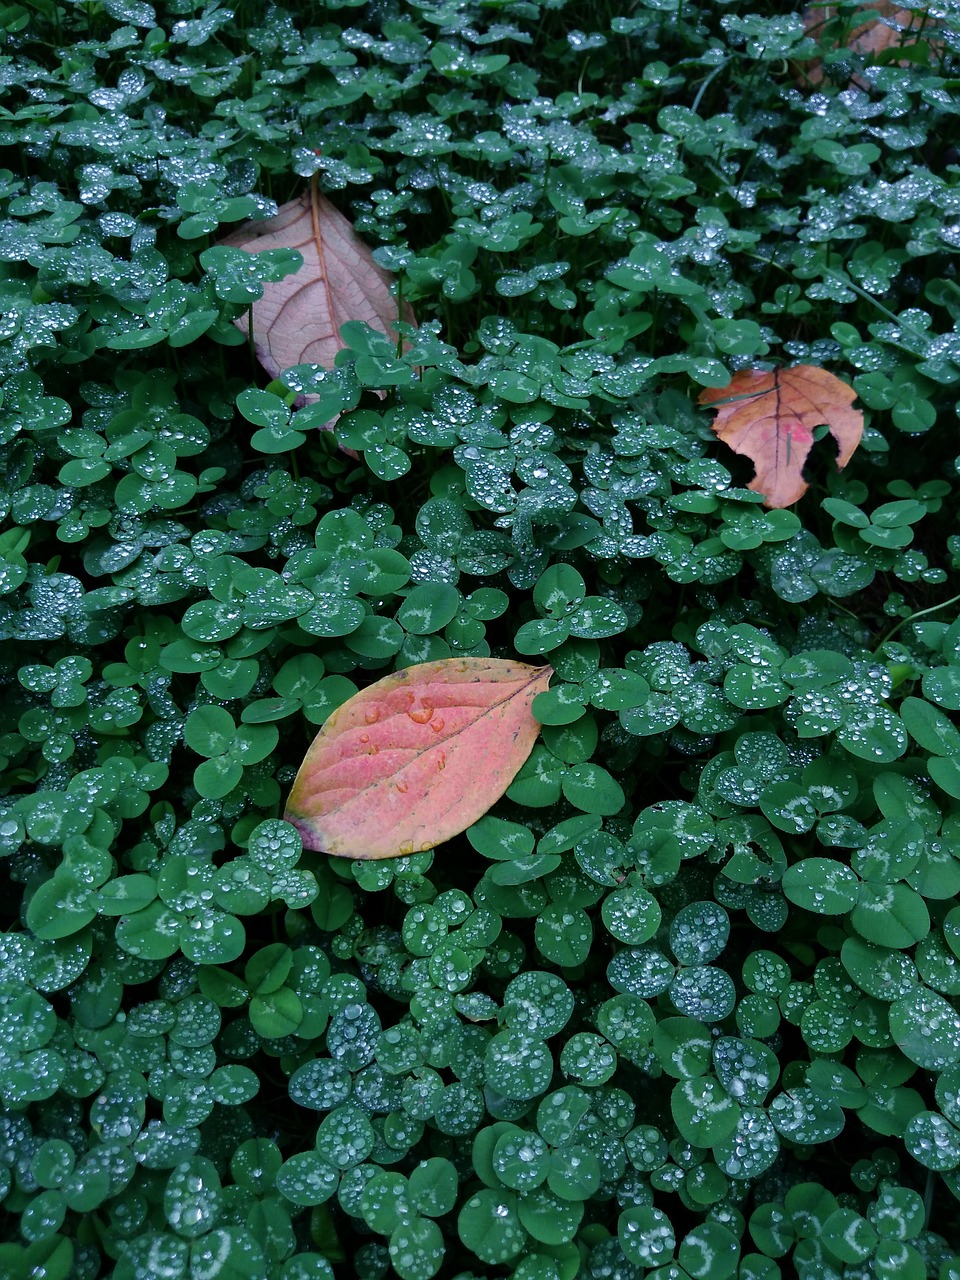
x=769, y=416
x=298, y=319
x=887, y=28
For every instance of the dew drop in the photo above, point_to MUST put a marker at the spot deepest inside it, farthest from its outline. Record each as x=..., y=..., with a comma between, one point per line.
x=402, y=786
x=437, y=725
x=371, y=715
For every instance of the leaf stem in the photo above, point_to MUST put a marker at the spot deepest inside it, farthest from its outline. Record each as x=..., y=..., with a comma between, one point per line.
x=705, y=84
x=868, y=297
x=921, y=613
x=843, y=608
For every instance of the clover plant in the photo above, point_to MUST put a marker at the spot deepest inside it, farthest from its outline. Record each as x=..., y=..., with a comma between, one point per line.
x=685, y=1004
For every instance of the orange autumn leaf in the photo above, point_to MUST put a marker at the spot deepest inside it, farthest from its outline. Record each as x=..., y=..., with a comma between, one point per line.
x=769, y=416
x=417, y=757
x=298, y=319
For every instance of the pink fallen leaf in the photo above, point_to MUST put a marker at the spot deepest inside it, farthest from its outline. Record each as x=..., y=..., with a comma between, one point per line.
x=769, y=415
x=417, y=757
x=298, y=319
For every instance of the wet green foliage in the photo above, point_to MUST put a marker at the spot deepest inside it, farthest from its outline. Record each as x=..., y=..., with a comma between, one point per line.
x=684, y=1005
